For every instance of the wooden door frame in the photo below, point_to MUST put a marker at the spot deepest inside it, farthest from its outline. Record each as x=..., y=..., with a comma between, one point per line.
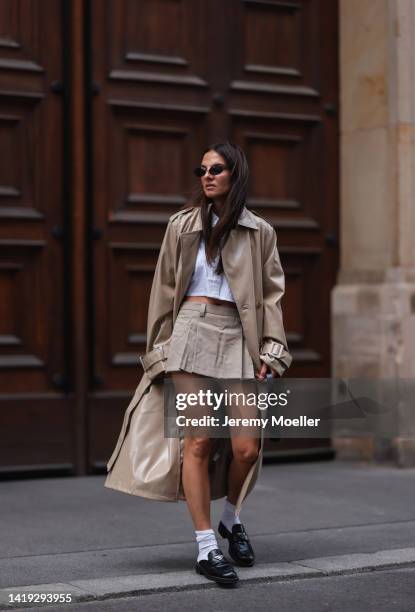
x=79, y=236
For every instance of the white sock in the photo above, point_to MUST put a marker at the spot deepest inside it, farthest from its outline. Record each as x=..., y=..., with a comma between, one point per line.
x=229, y=518
x=206, y=540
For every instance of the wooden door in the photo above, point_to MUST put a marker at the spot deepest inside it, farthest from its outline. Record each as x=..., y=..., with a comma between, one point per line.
x=86, y=191
x=35, y=366
x=167, y=78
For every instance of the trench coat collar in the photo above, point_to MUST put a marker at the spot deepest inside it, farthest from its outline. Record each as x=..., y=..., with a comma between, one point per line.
x=246, y=219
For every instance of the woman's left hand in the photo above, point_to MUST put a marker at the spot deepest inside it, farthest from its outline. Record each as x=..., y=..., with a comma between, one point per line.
x=265, y=369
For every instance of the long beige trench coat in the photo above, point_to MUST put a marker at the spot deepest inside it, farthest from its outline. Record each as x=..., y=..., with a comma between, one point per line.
x=144, y=462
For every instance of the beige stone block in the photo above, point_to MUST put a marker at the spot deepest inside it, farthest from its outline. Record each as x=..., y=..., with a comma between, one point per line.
x=360, y=277
x=344, y=300
x=403, y=14
x=405, y=138
x=368, y=300
x=390, y=355
x=364, y=61
x=395, y=299
x=368, y=218
x=405, y=396
x=362, y=337
x=407, y=367
x=350, y=366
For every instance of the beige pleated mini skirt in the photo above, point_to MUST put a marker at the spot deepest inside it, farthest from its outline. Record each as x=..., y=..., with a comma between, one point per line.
x=208, y=339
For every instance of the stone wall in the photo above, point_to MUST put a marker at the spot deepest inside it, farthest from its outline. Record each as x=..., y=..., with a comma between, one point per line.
x=373, y=303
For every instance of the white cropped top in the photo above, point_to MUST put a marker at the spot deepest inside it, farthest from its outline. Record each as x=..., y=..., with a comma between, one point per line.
x=204, y=280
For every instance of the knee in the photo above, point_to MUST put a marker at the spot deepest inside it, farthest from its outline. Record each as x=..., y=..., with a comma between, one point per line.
x=246, y=453
x=198, y=448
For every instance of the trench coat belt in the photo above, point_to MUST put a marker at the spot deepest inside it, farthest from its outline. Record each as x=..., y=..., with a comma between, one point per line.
x=159, y=353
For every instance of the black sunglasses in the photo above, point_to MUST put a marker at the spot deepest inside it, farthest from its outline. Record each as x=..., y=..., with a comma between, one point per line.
x=213, y=170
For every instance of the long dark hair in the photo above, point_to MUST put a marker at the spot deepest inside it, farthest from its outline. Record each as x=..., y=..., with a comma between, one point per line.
x=215, y=237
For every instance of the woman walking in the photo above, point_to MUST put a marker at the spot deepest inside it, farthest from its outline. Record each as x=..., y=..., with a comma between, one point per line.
x=214, y=311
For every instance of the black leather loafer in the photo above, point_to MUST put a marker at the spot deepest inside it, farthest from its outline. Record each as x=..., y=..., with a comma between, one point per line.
x=217, y=568
x=240, y=548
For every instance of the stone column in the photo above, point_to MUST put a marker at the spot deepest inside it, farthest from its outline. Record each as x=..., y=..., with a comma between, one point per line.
x=373, y=303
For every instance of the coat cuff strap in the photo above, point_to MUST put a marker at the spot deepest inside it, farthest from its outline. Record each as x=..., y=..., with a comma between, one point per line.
x=154, y=361
x=276, y=349
x=275, y=355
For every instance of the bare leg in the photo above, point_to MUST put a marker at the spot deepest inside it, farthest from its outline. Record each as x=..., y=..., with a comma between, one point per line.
x=245, y=444
x=245, y=452
x=196, y=480
x=195, y=475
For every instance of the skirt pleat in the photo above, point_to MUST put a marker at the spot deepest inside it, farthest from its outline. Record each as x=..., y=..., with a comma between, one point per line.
x=208, y=339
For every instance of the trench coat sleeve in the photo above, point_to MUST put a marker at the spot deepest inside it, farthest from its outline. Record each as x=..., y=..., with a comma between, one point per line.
x=274, y=349
x=160, y=308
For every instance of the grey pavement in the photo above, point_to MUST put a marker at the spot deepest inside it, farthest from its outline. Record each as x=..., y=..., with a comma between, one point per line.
x=310, y=524
x=381, y=591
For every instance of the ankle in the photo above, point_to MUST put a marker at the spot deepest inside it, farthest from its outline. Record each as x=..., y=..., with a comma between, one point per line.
x=206, y=541
x=229, y=516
